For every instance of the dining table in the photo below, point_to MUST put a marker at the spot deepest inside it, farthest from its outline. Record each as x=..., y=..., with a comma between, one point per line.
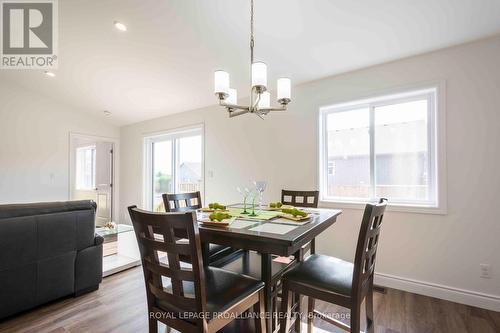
x=270, y=238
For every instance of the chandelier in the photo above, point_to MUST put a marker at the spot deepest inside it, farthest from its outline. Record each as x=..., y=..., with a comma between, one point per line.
x=260, y=98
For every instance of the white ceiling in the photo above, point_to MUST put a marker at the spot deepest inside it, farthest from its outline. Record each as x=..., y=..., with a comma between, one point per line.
x=164, y=63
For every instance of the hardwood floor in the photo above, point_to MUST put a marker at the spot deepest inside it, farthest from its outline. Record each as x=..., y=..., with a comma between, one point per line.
x=120, y=306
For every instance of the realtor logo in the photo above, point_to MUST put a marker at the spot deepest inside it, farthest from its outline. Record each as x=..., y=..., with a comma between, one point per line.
x=29, y=34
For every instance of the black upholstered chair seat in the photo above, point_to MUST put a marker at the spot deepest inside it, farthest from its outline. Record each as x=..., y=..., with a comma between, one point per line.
x=223, y=290
x=215, y=249
x=215, y=252
x=324, y=272
x=249, y=263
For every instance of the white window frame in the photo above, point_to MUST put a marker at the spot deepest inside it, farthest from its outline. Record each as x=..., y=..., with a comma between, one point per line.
x=92, y=171
x=174, y=135
x=436, y=141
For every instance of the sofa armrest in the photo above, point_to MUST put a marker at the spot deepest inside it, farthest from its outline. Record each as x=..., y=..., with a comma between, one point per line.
x=98, y=239
x=88, y=267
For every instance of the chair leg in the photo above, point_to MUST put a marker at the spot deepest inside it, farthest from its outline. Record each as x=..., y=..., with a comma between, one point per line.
x=153, y=325
x=310, y=314
x=286, y=302
x=298, y=312
x=260, y=313
x=356, y=317
x=370, y=323
x=275, y=306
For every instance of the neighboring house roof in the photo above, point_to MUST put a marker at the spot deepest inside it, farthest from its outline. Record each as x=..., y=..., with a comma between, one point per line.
x=190, y=171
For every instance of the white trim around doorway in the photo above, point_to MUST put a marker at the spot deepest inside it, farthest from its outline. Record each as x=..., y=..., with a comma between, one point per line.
x=116, y=167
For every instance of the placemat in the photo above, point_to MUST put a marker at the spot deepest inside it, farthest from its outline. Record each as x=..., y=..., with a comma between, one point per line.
x=261, y=215
x=242, y=224
x=282, y=220
x=274, y=228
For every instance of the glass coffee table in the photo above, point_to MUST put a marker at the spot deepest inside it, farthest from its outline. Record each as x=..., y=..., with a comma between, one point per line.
x=120, y=251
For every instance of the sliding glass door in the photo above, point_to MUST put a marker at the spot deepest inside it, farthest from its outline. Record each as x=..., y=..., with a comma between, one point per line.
x=162, y=171
x=174, y=164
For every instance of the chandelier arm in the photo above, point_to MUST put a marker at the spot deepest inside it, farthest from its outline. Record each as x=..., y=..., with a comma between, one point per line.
x=256, y=103
x=237, y=113
x=228, y=105
x=234, y=106
x=267, y=110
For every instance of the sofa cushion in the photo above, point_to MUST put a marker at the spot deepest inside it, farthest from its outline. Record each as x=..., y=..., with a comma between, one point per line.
x=56, y=277
x=18, y=242
x=56, y=234
x=17, y=289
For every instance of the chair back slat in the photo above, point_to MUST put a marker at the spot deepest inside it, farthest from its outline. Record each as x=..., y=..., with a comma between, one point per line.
x=173, y=260
x=158, y=236
x=172, y=298
x=300, y=198
x=366, y=250
x=165, y=270
x=182, y=202
x=160, y=245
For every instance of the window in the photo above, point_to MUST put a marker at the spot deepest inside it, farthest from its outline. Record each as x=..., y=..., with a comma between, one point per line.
x=174, y=164
x=382, y=147
x=85, y=168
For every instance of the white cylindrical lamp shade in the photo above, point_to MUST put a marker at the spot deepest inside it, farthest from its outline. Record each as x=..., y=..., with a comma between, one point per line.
x=233, y=97
x=221, y=82
x=265, y=100
x=284, y=88
x=259, y=74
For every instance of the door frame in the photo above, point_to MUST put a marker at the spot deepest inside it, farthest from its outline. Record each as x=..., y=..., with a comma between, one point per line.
x=115, y=191
x=168, y=134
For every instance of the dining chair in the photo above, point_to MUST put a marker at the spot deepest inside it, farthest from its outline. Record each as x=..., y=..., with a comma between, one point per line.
x=337, y=281
x=302, y=199
x=182, y=202
x=185, y=202
x=189, y=298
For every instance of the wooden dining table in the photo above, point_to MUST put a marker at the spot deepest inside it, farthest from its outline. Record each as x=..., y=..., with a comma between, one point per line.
x=268, y=238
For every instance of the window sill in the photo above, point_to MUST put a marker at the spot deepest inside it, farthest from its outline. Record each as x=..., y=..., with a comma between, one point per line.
x=325, y=203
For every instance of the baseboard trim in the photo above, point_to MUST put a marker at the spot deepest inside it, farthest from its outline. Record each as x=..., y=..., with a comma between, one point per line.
x=480, y=300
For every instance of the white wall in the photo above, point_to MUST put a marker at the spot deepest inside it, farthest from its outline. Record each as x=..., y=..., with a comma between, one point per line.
x=437, y=255
x=34, y=149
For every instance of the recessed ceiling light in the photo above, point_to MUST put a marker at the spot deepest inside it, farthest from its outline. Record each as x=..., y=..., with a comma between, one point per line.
x=120, y=26
x=107, y=113
x=51, y=74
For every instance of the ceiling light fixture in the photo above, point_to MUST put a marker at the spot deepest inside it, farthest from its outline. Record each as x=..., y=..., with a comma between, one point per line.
x=120, y=26
x=107, y=113
x=50, y=74
x=260, y=98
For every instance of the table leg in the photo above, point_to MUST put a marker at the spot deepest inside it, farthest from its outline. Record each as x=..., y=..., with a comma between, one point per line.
x=266, y=277
x=246, y=260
